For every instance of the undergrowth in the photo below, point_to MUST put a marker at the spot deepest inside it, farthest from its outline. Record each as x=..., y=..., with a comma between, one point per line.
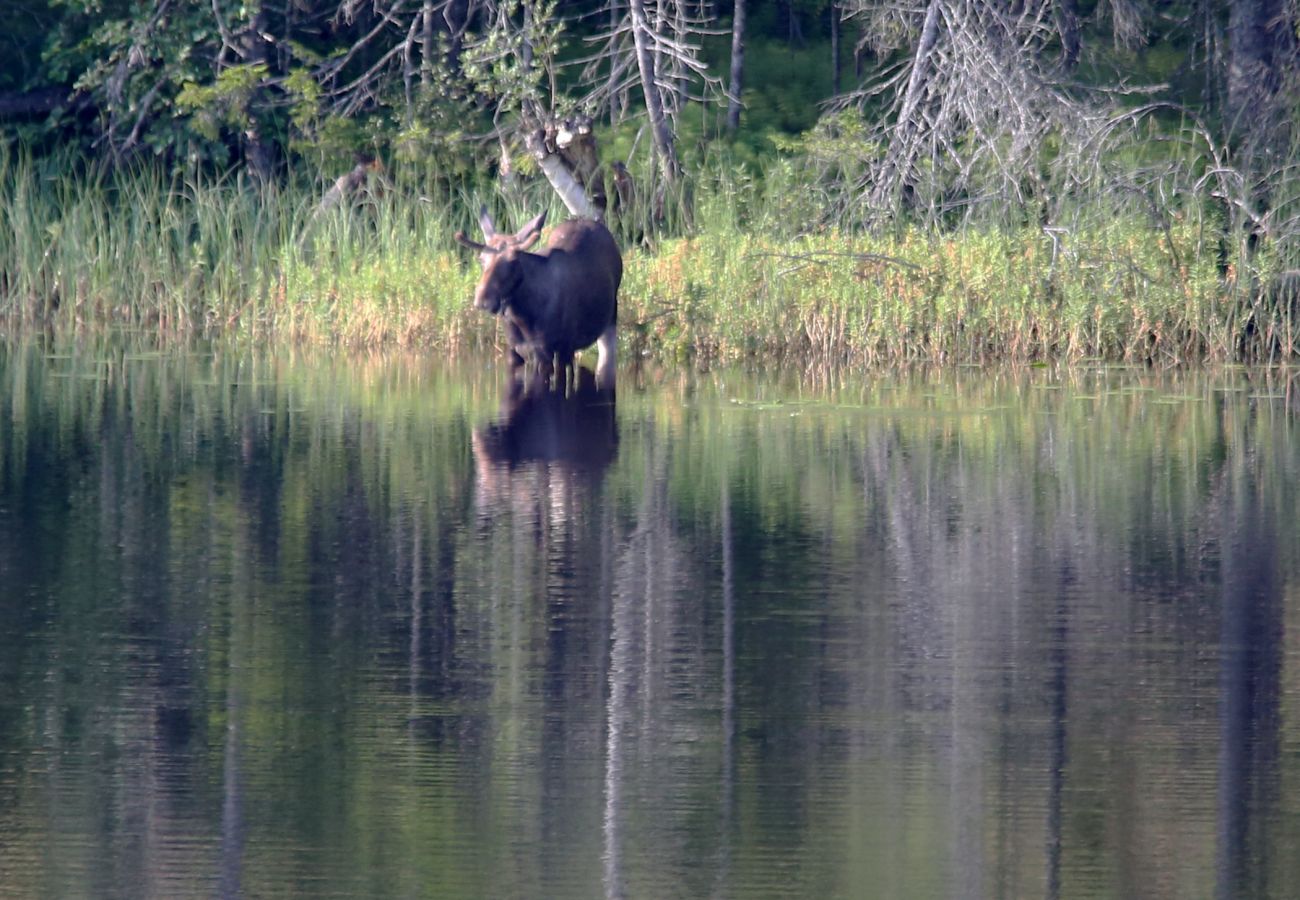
x=227, y=259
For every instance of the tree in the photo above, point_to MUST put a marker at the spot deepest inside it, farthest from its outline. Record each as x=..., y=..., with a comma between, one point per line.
x=643, y=39
x=971, y=96
x=1261, y=61
x=835, y=49
x=227, y=81
x=736, y=84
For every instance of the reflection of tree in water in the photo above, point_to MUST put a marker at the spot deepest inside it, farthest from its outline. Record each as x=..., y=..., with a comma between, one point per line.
x=1027, y=594
x=543, y=514
x=1250, y=688
x=622, y=661
x=749, y=639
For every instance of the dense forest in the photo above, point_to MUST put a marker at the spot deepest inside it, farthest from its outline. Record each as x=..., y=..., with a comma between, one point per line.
x=955, y=96
x=800, y=117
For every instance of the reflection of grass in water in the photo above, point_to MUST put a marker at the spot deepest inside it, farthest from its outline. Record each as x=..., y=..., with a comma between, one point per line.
x=407, y=417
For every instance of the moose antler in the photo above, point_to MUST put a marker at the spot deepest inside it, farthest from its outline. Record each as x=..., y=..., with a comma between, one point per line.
x=472, y=244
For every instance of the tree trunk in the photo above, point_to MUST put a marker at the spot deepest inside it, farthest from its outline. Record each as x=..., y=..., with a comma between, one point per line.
x=901, y=153
x=566, y=186
x=920, y=66
x=1067, y=27
x=456, y=16
x=428, y=46
x=615, y=106
x=562, y=178
x=835, y=49
x=858, y=49
x=1260, y=50
x=259, y=152
x=659, y=127
x=527, y=35
x=737, y=65
x=680, y=79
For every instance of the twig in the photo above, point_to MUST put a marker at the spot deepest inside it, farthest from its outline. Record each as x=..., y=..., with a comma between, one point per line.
x=820, y=258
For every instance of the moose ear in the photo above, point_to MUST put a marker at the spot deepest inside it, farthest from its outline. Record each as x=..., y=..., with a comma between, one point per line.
x=530, y=232
x=485, y=222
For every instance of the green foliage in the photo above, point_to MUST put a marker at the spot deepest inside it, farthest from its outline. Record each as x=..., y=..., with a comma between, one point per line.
x=511, y=66
x=132, y=58
x=785, y=86
x=225, y=102
x=185, y=80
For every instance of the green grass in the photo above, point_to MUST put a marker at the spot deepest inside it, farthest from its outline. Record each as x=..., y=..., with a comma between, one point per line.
x=180, y=259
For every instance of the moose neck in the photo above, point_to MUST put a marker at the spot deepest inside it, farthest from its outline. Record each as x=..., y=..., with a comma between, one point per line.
x=528, y=302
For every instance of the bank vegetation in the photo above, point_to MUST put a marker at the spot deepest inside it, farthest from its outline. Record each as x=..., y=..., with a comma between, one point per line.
x=964, y=181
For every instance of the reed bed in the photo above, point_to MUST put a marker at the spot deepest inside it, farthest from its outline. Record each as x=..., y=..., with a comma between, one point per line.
x=182, y=258
x=1114, y=292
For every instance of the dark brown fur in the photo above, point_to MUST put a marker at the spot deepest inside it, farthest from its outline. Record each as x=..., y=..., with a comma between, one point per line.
x=556, y=301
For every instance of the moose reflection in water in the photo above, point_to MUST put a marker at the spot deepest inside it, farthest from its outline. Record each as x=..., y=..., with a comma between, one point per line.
x=557, y=301
x=548, y=437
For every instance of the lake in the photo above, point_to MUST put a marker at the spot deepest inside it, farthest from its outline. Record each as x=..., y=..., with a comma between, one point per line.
x=308, y=625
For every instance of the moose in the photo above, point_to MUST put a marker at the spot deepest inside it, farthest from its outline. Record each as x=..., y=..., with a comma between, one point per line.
x=556, y=301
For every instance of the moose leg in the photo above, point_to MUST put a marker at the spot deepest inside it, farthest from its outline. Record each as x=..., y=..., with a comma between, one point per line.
x=564, y=361
x=515, y=337
x=606, y=354
x=545, y=367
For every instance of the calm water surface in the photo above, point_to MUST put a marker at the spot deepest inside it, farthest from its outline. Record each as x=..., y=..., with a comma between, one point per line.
x=277, y=626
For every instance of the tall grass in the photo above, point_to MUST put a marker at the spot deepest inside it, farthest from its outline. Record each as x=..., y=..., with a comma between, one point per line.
x=134, y=250
x=1112, y=292
x=753, y=278
x=183, y=257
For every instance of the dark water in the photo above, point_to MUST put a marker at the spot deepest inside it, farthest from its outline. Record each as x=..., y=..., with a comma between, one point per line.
x=333, y=627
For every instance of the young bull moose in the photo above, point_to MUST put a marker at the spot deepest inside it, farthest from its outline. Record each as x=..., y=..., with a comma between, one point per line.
x=556, y=301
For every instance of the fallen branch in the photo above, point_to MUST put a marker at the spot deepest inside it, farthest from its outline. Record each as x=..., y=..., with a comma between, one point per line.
x=822, y=259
